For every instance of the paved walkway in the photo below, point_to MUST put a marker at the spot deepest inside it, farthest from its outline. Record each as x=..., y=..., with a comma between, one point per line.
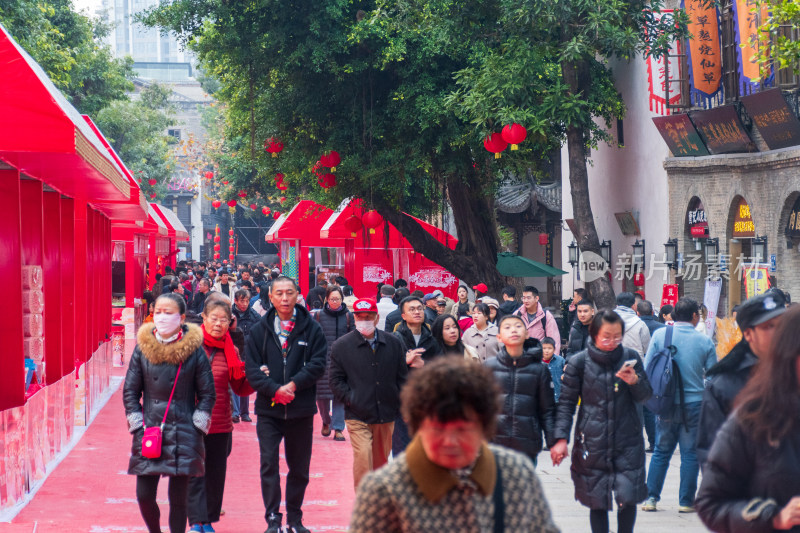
x=91, y=492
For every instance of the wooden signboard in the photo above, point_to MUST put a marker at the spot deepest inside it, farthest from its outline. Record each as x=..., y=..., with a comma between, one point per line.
x=773, y=118
x=722, y=131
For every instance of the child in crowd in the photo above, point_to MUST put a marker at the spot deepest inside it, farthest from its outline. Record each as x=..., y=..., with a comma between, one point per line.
x=554, y=362
x=528, y=404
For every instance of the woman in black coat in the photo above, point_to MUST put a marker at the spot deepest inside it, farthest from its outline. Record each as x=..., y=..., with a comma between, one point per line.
x=751, y=481
x=336, y=321
x=163, y=346
x=608, y=451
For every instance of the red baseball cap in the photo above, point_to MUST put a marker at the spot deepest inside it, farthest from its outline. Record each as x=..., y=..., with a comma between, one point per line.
x=365, y=305
x=481, y=287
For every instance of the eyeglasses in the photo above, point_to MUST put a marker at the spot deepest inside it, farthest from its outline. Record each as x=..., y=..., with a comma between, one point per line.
x=218, y=320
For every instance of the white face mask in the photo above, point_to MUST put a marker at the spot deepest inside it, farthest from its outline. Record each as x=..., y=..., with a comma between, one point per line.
x=167, y=324
x=365, y=327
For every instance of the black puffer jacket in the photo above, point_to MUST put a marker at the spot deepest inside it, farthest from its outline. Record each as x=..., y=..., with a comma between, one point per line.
x=304, y=364
x=578, y=337
x=426, y=340
x=726, y=379
x=334, y=325
x=608, y=450
x=746, y=483
x=528, y=402
x=148, y=382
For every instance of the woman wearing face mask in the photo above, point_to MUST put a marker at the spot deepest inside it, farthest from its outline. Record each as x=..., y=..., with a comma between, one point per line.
x=336, y=320
x=447, y=333
x=167, y=351
x=609, y=380
x=205, y=492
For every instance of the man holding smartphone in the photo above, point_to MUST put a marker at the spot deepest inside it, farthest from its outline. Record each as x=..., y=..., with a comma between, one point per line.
x=420, y=347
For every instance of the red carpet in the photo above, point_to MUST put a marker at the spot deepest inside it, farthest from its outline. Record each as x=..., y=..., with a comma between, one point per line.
x=91, y=492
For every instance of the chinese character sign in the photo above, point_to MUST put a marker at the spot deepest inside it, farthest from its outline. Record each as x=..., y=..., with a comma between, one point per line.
x=748, y=19
x=756, y=280
x=662, y=73
x=705, y=56
x=669, y=295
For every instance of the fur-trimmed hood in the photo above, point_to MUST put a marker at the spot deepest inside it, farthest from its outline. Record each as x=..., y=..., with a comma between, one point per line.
x=173, y=353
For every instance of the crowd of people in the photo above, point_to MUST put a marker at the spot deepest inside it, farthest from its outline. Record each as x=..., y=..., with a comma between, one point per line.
x=448, y=403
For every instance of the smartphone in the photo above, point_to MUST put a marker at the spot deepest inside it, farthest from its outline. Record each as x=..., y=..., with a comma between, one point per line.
x=629, y=363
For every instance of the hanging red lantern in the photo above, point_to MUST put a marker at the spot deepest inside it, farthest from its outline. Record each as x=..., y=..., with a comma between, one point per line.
x=230, y=231
x=216, y=247
x=276, y=215
x=371, y=220
x=327, y=181
x=353, y=225
x=231, y=203
x=253, y=206
x=242, y=194
x=265, y=210
x=152, y=195
x=273, y=146
x=216, y=238
x=231, y=240
x=225, y=182
x=152, y=182
x=230, y=249
x=216, y=204
x=514, y=134
x=638, y=279
x=278, y=177
x=330, y=160
x=216, y=256
x=544, y=239
x=495, y=144
x=282, y=199
x=209, y=175
x=231, y=258
x=282, y=186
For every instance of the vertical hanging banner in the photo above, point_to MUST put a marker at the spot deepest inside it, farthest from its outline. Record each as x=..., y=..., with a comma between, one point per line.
x=748, y=18
x=662, y=72
x=705, y=53
x=711, y=301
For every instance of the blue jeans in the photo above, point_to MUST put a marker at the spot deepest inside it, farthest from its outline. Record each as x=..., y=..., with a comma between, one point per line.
x=234, y=401
x=671, y=433
x=331, y=417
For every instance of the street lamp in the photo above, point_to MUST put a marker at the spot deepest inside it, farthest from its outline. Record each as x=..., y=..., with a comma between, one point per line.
x=605, y=251
x=760, y=249
x=573, y=254
x=638, y=254
x=711, y=249
x=671, y=252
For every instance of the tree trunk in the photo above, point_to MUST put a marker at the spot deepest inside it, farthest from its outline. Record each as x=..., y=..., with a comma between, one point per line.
x=474, y=259
x=600, y=290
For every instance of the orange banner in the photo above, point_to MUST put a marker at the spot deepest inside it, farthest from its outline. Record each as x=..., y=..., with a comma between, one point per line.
x=749, y=19
x=704, y=48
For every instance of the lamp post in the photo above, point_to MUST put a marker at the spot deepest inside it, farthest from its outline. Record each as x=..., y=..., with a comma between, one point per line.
x=638, y=254
x=573, y=253
x=671, y=253
x=605, y=252
x=760, y=249
x=711, y=249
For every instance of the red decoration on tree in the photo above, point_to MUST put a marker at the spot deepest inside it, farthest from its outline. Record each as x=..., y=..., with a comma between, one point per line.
x=278, y=178
x=152, y=195
x=253, y=206
x=371, y=220
x=209, y=175
x=282, y=199
x=265, y=210
x=276, y=215
x=216, y=247
x=216, y=204
x=353, y=225
x=544, y=239
x=225, y=182
x=514, y=134
x=242, y=194
x=231, y=203
x=495, y=144
x=216, y=238
x=330, y=160
x=326, y=181
x=273, y=146
x=152, y=182
x=638, y=279
x=282, y=186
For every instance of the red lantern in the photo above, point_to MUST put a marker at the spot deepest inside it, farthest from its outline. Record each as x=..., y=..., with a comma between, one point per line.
x=216, y=256
x=216, y=247
x=225, y=261
x=209, y=175
x=225, y=182
x=353, y=225
x=216, y=204
x=152, y=195
x=276, y=215
x=371, y=220
x=231, y=203
x=331, y=160
x=216, y=238
x=327, y=181
x=230, y=231
x=495, y=144
x=543, y=239
x=265, y=210
x=231, y=258
x=638, y=279
x=253, y=206
x=514, y=134
x=152, y=182
x=278, y=178
x=230, y=249
x=282, y=186
x=273, y=146
x=282, y=199
x=242, y=194
x=230, y=241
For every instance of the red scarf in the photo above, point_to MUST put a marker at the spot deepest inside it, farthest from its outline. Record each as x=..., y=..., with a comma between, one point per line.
x=235, y=366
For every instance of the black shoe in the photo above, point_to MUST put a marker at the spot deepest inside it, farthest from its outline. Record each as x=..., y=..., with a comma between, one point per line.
x=274, y=523
x=235, y=419
x=326, y=430
x=297, y=527
x=246, y=418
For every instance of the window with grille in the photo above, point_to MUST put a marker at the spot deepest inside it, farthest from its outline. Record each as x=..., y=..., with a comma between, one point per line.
x=730, y=62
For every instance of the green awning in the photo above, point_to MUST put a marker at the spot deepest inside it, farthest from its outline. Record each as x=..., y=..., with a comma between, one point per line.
x=514, y=266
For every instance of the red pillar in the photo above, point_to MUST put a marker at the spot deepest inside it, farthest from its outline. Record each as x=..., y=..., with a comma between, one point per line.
x=151, y=258
x=51, y=267
x=131, y=271
x=81, y=305
x=67, y=276
x=12, y=386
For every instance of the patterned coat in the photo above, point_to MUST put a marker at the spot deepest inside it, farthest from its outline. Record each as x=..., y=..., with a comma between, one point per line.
x=412, y=494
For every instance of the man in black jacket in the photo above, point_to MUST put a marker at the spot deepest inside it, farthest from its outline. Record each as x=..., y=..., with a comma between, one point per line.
x=757, y=318
x=510, y=303
x=199, y=298
x=286, y=355
x=246, y=318
x=579, y=330
x=368, y=368
x=420, y=346
x=645, y=311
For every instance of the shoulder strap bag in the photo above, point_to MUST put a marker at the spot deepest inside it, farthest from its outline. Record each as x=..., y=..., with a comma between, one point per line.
x=151, y=440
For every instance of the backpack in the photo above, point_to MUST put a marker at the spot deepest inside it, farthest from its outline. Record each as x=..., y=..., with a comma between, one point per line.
x=665, y=379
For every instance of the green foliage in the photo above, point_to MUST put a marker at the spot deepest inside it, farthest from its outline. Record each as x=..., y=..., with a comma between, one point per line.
x=776, y=48
x=67, y=46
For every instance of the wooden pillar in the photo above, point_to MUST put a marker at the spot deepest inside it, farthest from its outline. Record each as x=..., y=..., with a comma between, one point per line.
x=12, y=386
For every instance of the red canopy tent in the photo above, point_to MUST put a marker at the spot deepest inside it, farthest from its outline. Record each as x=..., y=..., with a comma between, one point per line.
x=175, y=229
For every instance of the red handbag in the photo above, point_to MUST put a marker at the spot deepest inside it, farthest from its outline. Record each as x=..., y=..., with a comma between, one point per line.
x=151, y=439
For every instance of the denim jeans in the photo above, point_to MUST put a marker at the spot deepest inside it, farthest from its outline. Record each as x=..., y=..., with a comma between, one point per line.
x=234, y=401
x=671, y=433
x=331, y=417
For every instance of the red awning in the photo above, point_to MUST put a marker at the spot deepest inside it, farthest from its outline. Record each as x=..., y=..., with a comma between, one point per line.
x=304, y=222
x=44, y=137
x=174, y=226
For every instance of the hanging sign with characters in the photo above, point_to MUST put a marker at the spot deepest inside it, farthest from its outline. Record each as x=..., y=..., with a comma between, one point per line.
x=705, y=54
x=743, y=225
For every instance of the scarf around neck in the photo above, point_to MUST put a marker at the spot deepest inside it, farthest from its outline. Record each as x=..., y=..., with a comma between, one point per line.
x=235, y=366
